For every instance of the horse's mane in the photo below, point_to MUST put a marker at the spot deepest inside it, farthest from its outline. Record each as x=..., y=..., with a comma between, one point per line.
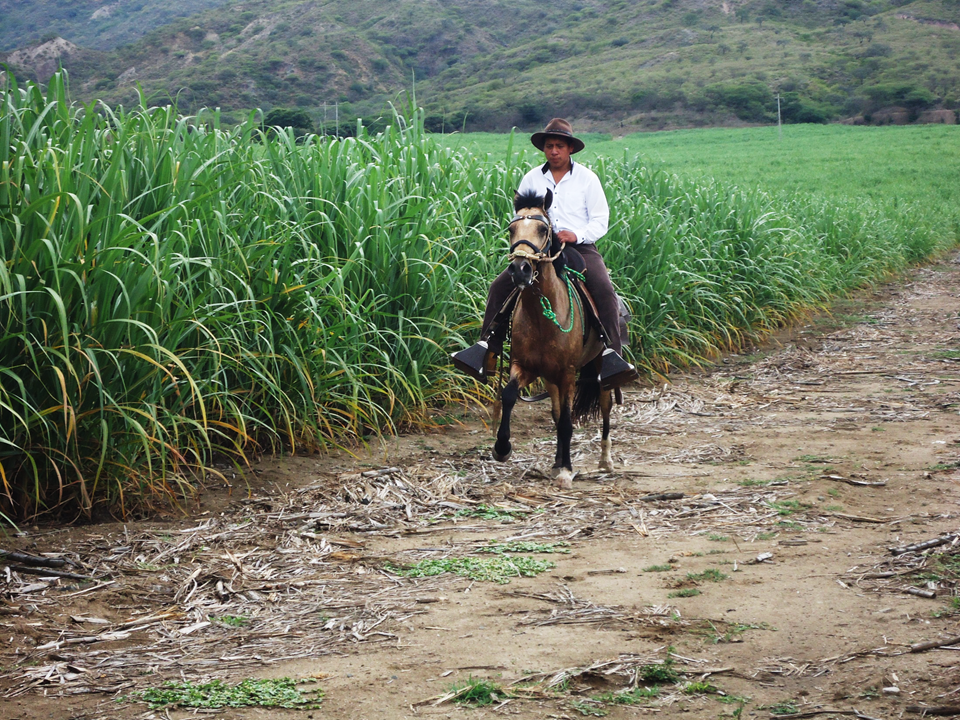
x=530, y=199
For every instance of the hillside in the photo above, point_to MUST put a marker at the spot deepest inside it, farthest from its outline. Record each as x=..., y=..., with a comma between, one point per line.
x=490, y=64
x=97, y=24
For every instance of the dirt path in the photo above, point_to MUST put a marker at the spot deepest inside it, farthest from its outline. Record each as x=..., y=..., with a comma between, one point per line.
x=771, y=581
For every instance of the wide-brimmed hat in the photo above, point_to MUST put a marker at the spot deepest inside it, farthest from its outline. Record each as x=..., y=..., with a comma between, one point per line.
x=559, y=128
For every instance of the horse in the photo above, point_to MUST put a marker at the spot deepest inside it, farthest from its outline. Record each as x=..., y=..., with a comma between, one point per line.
x=551, y=338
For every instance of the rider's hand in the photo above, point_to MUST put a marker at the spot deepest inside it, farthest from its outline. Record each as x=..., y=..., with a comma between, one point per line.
x=567, y=236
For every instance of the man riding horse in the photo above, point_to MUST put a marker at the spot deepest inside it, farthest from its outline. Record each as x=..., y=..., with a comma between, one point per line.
x=579, y=214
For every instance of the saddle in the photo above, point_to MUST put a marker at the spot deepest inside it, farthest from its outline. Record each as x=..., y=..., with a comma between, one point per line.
x=574, y=261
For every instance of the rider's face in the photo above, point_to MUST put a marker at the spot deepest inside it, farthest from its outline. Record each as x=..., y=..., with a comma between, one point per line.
x=557, y=151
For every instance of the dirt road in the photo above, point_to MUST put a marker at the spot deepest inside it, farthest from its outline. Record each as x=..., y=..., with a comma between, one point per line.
x=768, y=588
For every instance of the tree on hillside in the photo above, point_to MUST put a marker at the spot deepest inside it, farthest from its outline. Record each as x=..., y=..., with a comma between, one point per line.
x=295, y=118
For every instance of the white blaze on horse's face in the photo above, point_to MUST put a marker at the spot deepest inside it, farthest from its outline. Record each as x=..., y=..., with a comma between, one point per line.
x=529, y=236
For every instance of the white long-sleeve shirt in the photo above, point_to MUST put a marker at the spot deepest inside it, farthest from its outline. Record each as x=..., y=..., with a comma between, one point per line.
x=578, y=200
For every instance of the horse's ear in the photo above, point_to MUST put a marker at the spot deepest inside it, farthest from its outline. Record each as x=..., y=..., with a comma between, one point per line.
x=516, y=201
x=548, y=199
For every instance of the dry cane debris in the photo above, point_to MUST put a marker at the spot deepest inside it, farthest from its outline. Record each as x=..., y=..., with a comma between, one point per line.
x=292, y=575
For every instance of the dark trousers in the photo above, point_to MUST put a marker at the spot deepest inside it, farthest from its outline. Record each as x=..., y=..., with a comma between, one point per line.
x=598, y=283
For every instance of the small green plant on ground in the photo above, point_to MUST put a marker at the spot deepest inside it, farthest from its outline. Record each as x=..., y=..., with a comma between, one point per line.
x=714, y=537
x=943, y=466
x=525, y=547
x=499, y=569
x=753, y=483
x=588, y=708
x=766, y=535
x=699, y=688
x=659, y=672
x=739, y=701
x=940, y=567
x=812, y=459
x=788, y=507
x=278, y=692
x=833, y=492
x=231, y=620
x=684, y=593
x=478, y=692
x=711, y=574
x=947, y=611
x=634, y=696
x=784, y=707
x=489, y=512
x=658, y=568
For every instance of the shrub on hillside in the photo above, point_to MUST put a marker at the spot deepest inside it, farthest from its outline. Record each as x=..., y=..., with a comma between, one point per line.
x=294, y=118
x=797, y=109
x=909, y=95
x=751, y=100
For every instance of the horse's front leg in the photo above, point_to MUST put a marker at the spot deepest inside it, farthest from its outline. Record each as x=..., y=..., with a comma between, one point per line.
x=606, y=405
x=562, y=406
x=502, y=449
x=519, y=379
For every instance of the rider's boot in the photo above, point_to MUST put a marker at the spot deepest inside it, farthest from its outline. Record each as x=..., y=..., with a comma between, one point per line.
x=479, y=361
x=615, y=371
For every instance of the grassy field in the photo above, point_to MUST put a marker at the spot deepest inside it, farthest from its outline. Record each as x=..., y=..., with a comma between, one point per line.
x=174, y=294
x=887, y=164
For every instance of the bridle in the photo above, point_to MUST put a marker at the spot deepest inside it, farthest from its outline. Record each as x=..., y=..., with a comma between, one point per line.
x=538, y=254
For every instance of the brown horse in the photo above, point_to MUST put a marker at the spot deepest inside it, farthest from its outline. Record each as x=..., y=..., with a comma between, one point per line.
x=551, y=338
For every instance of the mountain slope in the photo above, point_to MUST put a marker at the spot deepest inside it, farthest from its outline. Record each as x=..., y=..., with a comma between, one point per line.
x=97, y=24
x=491, y=64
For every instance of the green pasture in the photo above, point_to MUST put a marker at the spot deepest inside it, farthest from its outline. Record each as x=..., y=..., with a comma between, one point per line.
x=176, y=295
x=911, y=163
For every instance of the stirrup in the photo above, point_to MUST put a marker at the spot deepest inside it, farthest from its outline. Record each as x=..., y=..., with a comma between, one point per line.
x=477, y=361
x=616, y=371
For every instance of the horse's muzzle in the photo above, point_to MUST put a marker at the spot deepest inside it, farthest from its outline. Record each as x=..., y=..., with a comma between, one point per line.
x=521, y=272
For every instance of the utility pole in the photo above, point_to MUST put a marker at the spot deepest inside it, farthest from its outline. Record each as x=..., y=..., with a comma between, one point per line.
x=779, y=123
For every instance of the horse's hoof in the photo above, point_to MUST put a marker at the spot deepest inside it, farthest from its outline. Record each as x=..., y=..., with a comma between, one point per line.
x=502, y=458
x=563, y=479
x=606, y=456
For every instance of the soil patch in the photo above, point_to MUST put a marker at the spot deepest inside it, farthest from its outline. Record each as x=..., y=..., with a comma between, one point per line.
x=761, y=549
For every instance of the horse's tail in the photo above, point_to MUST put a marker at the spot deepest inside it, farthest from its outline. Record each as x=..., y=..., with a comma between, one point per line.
x=586, y=401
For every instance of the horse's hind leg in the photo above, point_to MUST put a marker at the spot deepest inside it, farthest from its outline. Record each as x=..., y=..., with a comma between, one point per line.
x=606, y=456
x=502, y=449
